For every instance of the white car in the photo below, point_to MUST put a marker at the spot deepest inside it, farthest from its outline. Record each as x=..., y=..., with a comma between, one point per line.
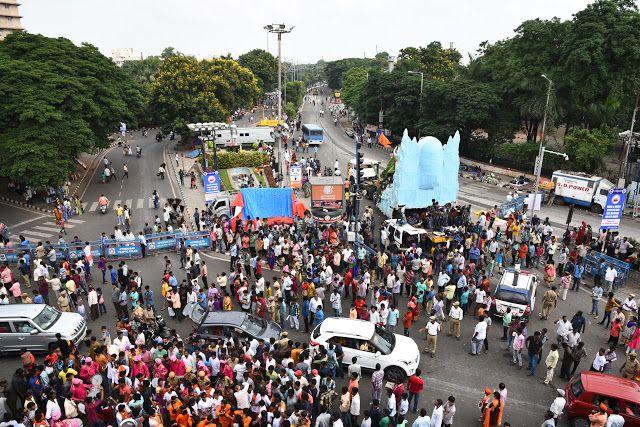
x=517, y=291
x=398, y=355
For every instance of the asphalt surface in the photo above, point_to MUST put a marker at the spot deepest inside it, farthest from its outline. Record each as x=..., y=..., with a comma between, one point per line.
x=451, y=372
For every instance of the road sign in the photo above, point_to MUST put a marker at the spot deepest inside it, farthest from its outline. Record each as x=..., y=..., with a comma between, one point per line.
x=295, y=176
x=211, y=185
x=613, y=209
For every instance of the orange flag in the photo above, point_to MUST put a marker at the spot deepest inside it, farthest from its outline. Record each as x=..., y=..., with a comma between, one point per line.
x=382, y=140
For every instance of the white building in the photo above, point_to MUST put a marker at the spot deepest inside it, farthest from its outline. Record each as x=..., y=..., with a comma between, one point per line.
x=120, y=55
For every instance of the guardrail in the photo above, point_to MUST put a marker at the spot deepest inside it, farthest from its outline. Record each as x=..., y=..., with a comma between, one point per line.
x=115, y=250
x=592, y=264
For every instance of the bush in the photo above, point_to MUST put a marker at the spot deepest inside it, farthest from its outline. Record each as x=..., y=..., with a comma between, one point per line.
x=587, y=148
x=239, y=159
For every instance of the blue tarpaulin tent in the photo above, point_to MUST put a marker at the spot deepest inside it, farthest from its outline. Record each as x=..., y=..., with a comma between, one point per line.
x=267, y=202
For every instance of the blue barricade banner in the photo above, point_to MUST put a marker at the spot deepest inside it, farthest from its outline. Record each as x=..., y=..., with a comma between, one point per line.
x=11, y=255
x=198, y=240
x=161, y=242
x=122, y=249
x=592, y=263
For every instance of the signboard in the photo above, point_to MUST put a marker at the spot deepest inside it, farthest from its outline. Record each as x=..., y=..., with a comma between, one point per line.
x=326, y=196
x=120, y=250
x=161, y=242
x=211, y=185
x=612, y=213
x=201, y=240
x=295, y=175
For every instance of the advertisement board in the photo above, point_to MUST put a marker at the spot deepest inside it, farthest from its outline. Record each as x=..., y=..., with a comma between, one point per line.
x=295, y=175
x=612, y=213
x=327, y=196
x=211, y=181
x=200, y=240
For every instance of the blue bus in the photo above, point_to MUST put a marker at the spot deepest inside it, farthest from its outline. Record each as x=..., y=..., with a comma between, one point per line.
x=312, y=134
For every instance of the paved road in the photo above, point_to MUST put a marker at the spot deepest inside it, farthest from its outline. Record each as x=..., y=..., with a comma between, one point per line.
x=452, y=371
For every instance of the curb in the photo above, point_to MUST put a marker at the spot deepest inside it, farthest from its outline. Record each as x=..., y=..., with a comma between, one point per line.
x=25, y=205
x=187, y=209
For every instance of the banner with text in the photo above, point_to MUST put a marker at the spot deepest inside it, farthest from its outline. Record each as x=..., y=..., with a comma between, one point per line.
x=211, y=185
x=613, y=209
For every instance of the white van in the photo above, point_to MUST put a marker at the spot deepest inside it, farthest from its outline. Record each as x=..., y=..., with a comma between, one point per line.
x=516, y=290
x=404, y=235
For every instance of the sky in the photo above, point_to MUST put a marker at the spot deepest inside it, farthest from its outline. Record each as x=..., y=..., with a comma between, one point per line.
x=326, y=29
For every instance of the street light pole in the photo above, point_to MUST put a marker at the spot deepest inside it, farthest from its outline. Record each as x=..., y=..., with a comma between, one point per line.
x=279, y=29
x=540, y=158
x=419, y=100
x=625, y=160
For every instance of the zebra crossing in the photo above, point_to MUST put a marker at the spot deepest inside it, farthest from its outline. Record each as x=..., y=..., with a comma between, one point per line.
x=140, y=203
x=44, y=231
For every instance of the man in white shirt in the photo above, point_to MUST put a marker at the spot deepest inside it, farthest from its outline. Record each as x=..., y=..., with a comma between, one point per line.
x=432, y=328
x=455, y=317
x=557, y=406
x=479, y=334
x=609, y=277
x=599, y=361
x=437, y=414
x=423, y=419
x=629, y=306
x=564, y=327
x=242, y=396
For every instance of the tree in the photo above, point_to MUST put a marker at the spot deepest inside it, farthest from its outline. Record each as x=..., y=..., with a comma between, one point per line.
x=58, y=101
x=599, y=64
x=514, y=67
x=263, y=65
x=435, y=62
x=462, y=105
x=187, y=90
x=335, y=70
x=587, y=148
x=295, y=92
x=353, y=85
x=168, y=52
x=143, y=71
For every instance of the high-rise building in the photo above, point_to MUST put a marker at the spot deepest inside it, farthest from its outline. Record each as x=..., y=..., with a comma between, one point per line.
x=9, y=18
x=120, y=55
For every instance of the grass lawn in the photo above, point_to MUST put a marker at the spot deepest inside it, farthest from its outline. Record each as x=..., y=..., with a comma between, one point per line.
x=263, y=182
x=226, y=182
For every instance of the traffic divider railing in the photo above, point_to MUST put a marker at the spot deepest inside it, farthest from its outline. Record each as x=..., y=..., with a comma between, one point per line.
x=116, y=249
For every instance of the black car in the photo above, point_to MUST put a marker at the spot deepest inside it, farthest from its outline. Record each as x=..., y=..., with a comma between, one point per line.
x=220, y=324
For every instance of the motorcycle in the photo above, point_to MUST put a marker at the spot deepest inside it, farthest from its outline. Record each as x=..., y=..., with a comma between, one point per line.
x=103, y=209
x=138, y=153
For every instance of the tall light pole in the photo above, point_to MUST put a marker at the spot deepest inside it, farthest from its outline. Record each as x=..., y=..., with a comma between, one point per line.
x=279, y=29
x=420, y=99
x=540, y=157
x=627, y=148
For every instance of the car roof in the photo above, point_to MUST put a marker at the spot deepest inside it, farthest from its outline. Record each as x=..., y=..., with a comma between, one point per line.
x=234, y=318
x=21, y=310
x=348, y=327
x=406, y=227
x=523, y=282
x=609, y=385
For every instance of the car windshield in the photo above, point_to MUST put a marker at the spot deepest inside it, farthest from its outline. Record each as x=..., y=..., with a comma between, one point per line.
x=383, y=340
x=577, y=388
x=512, y=297
x=253, y=326
x=47, y=317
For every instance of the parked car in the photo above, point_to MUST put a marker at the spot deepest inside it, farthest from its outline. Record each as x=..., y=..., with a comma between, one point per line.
x=34, y=327
x=220, y=324
x=349, y=133
x=397, y=355
x=589, y=389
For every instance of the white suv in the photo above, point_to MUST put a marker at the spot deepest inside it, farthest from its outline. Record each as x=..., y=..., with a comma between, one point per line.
x=397, y=355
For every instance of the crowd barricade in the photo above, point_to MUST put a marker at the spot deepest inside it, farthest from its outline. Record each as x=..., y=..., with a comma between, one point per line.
x=117, y=249
x=508, y=208
x=592, y=263
x=122, y=249
x=161, y=242
x=200, y=240
x=12, y=254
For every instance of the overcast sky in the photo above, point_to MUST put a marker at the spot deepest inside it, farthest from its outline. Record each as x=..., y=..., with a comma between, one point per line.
x=327, y=29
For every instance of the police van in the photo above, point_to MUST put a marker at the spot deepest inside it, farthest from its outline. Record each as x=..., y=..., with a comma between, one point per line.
x=516, y=290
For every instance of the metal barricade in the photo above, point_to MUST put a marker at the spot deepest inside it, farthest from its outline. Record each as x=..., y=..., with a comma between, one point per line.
x=12, y=254
x=122, y=249
x=515, y=205
x=592, y=264
x=161, y=242
x=200, y=240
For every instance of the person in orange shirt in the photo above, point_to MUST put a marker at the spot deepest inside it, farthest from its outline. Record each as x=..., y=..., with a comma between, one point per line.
x=223, y=415
x=184, y=419
x=207, y=422
x=174, y=408
x=492, y=410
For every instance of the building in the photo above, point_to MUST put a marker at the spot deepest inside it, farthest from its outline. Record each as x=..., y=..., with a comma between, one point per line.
x=9, y=18
x=120, y=55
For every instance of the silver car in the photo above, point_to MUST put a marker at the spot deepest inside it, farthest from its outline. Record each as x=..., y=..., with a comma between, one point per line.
x=34, y=327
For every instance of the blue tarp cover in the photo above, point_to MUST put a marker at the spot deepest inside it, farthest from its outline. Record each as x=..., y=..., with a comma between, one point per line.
x=193, y=154
x=267, y=202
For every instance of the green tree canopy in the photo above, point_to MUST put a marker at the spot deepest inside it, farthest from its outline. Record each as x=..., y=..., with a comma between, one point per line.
x=295, y=92
x=586, y=148
x=335, y=70
x=353, y=86
x=187, y=90
x=435, y=62
x=263, y=65
x=143, y=71
x=58, y=101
